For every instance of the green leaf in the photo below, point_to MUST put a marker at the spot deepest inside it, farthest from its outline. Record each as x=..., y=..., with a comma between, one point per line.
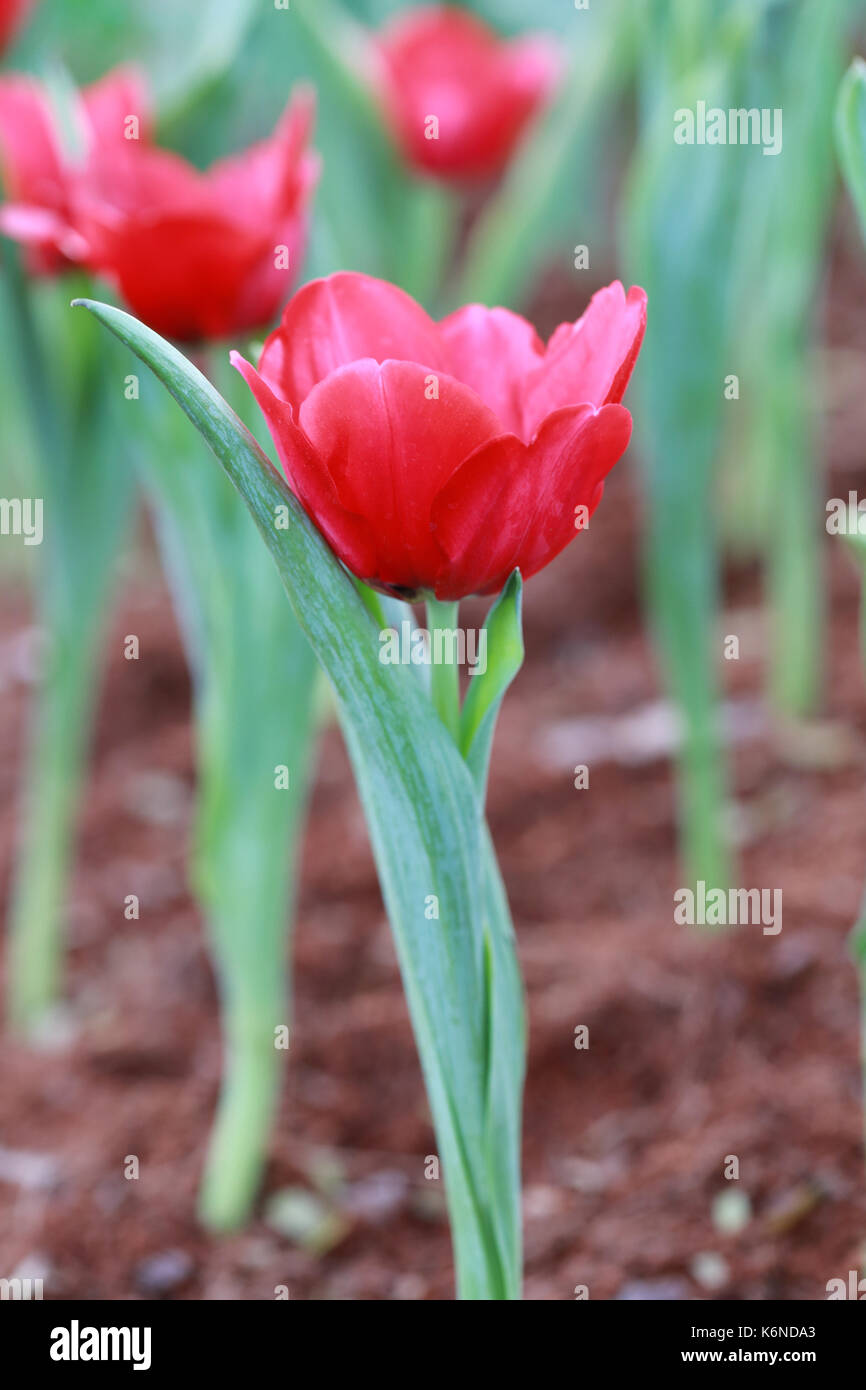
x=424, y=821
x=506, y=1050
x=851, y=134
x=771, y=470
x=503, y=627
x=680, y=250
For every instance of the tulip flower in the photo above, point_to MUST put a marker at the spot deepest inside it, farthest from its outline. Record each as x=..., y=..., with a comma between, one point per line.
x=431, y=456
x=199, y=255
x=41, y=164
x=438, y=458
x=12, y=16
x=457, y=96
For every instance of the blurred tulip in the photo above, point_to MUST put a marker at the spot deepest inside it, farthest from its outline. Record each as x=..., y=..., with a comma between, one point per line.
x=457, y=95
x=199, y=255
x=12, y=16
x=41, y=160
x=437, y=458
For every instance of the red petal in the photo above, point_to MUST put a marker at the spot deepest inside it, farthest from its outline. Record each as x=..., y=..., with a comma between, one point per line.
x=30, y=161
x=389, y=448
x=269, y=283
x=591, y=360
x=349, y=536
x=267, y=188
x=40, y=227
x=195, y=255
x=183, y=275
x=131, y=184
x=108, y=102
x=493, y=351
x=513, y=505
x=269, y=180
x=332, y=322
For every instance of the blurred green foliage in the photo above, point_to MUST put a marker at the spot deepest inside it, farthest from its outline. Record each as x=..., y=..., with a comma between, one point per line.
x=181, y=47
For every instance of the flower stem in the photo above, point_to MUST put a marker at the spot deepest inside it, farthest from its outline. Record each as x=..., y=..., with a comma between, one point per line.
x=55, y=761
x=86, y=498
x=253, y=717
x=444, y=675
x=252, y=1073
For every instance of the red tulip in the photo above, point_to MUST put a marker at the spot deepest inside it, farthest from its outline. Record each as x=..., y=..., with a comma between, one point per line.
x=440, y=457
x=41, y=162
x=199, y=255
x=12, y=16
x=458, y=96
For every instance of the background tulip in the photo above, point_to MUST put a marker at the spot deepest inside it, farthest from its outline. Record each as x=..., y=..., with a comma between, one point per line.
x=196, y=255
x=42, y=160
x=458, y=96
x=440, y=457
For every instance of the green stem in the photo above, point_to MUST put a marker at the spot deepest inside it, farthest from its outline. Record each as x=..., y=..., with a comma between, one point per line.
x=72, y=583
x=793, y=551
x=682, y=601
x=249, y=1093
x=243, y=875
x=444, y=675
x=56, y=757
x=251, y=714
x=35, y=378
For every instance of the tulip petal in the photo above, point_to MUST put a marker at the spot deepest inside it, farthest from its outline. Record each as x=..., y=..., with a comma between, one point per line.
x=391, y=434
x=32, y=226
x=182, y=274
x=269, y=180
x=493, y=351
x=269, y=186
x=513, y=505
x=30, y=163
x=349, y=535
x=330, y=323
x=589, y=361
x=109, y=102
x=40, y=178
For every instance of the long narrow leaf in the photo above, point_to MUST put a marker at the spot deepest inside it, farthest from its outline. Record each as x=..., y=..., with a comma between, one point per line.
x=421, y=809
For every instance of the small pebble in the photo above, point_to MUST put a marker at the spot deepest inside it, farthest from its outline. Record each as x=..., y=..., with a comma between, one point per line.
x=710, y=1269
x=163, y=1272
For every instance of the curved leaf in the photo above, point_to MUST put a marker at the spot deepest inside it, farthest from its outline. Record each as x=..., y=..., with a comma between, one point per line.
x=424, y=820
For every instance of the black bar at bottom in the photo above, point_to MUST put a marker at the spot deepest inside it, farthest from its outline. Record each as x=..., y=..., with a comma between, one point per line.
x=151, y=1339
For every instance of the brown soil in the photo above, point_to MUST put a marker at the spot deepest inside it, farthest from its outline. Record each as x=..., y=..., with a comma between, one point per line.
x=741, y=1044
